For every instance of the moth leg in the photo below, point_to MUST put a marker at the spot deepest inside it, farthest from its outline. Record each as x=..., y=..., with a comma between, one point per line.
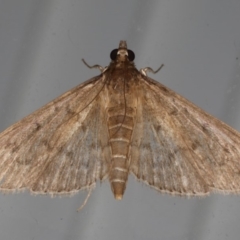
x=86, y=200
x=102, y=69
x=148, y=69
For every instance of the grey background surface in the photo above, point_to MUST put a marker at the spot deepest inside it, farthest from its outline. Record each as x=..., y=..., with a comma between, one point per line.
x=41, y=46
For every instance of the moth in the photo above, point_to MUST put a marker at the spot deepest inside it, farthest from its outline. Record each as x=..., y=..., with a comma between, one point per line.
x=118, y=123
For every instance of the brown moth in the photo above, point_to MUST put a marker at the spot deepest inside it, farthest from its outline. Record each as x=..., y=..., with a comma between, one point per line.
x=117, y=123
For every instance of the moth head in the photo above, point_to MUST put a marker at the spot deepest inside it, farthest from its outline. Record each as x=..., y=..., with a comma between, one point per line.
x=122, y=53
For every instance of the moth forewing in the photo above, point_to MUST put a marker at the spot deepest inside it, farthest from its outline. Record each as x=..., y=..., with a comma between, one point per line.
x=189, y=152
x=38, y=151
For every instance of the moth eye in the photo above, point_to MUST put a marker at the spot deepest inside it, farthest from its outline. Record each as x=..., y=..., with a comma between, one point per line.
x=113, y=54
x=131, y=55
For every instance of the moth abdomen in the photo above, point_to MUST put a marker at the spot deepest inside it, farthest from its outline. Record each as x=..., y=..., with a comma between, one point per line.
x=120, y=127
